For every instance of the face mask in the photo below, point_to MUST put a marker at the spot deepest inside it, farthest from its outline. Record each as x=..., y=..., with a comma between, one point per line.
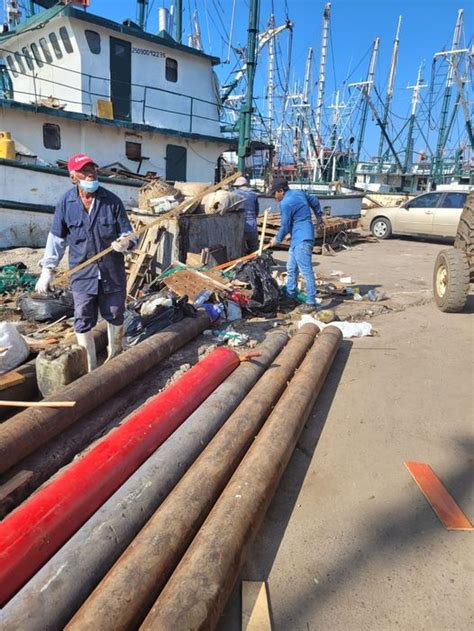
x=90, y=186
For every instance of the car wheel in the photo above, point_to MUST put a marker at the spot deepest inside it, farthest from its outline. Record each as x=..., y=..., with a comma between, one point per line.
x=381, y=228
x=451, y=280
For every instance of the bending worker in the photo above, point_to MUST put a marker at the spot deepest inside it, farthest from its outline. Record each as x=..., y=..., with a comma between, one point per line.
x=250, y=205
x=89, y=219
x=296, y=209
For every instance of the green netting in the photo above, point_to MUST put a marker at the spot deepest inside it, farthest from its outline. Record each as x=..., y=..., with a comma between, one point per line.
x=13, y=277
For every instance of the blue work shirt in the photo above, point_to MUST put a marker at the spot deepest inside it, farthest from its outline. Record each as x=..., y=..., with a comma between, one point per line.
x=250, y=205
x=296, y=218
x=87, y=234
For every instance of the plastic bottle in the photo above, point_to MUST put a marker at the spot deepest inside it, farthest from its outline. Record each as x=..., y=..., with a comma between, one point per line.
x=202, y=297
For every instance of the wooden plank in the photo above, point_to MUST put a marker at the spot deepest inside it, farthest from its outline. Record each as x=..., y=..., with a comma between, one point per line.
x=13, y=483
x=38, y=404
x=255, y=610
x=438, y=497
x=189, y=283
x=11, y=378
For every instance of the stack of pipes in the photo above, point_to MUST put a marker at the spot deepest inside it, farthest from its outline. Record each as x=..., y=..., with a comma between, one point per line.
x=128, y=534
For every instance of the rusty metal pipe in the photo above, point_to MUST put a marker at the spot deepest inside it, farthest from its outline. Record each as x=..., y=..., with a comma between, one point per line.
x=55, y=593
x=25, y=432
x=122, y=599
x=196, y=594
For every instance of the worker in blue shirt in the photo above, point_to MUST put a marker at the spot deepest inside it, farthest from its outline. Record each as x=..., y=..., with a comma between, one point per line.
x=296, y=208
x=89, y=219
x=250, y=205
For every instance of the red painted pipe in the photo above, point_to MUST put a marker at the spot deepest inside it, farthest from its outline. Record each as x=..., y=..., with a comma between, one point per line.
x=42, y=524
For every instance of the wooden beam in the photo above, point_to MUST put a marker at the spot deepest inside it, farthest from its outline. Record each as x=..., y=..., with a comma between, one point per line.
x=11, y=378
x=255, y=610
x=438, y=497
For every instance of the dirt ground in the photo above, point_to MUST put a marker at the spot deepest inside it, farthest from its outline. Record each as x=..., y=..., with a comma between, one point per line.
x=349, y=541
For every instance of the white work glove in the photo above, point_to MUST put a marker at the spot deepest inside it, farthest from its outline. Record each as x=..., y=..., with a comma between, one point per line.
x=44, y=281
x=273, y=243
x=121, y=245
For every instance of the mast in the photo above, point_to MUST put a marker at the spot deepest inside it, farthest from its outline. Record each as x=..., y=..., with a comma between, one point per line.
x=391, y=80
x=437, y=165
x=366, y=87
x=411, y=123
x=321, y=85
x=334, y=133
x=246, y=110
x=271, y=83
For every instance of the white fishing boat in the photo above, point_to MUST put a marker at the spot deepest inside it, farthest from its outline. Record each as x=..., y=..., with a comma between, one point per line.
x=74, y=82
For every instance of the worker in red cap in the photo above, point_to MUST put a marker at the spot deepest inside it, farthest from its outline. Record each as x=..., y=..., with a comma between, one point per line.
x=89, y=219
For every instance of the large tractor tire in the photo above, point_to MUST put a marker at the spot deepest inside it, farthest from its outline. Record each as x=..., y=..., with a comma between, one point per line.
x=451, y=280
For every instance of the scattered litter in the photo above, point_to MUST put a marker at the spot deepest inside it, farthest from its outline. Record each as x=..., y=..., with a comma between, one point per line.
x=348, y=329
x=214, y=311
x=346, y=280
x=337, y=272
x=202, y=297
x=43, y=308
x=13, y=348
x=150, y=306
x=16, y=276
x=326, y=316
x=229, y=335
x=233, y=311
x=375, y=296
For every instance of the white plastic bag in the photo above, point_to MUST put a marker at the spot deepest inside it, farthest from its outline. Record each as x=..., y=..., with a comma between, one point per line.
x=13, y=348
x=348, y=329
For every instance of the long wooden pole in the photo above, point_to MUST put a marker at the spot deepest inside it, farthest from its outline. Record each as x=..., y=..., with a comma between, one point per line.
x=262, y=236
x=172, y=213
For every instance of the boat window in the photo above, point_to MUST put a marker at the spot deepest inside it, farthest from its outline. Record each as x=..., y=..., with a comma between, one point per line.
x=27, y=56
x=53, y=38
x=36, y=55
x=66, y=41
x=93, y=40
x=20, y=63
x=11, y=66
x=51, y=136
x=171, y=70
x=45, y=48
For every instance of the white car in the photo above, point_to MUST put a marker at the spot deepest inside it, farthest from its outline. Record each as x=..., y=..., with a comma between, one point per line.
x=434, y=214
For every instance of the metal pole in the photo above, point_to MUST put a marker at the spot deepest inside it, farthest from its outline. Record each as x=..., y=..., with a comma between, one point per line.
x=179, y=20
x=57, y=591
x=196, y=594
x=120, y=601
x=442, y=135
x=321, y=85
x=245, y=120
x=388, y=100
x=366, y=89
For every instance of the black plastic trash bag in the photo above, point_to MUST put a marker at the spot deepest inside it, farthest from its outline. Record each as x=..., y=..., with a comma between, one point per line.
x=138, y=327
x=265, y=292
x=44, y=308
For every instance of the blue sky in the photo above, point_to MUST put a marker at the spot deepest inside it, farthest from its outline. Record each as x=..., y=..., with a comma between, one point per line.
x=427, y=27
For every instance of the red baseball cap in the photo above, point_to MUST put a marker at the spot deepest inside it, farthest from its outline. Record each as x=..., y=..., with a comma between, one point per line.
x=79, y=160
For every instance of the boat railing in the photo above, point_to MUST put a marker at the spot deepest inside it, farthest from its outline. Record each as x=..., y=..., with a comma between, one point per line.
x=186, y=110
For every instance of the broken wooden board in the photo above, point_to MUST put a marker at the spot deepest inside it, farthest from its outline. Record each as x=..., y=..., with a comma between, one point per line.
x=255, y=610
x=11, y=378
x=13, y=483
x=438, y=497
x=190, y=283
